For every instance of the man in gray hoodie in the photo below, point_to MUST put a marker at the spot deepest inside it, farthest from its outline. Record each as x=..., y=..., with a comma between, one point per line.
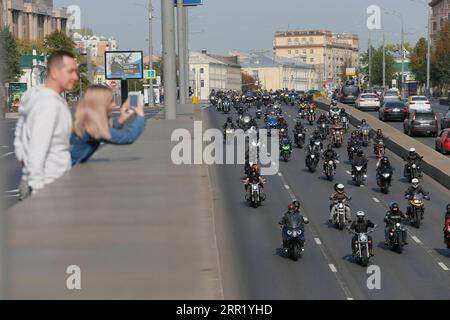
x=42, y=136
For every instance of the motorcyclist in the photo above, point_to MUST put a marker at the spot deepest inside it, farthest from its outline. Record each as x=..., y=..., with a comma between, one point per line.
x=229, y=124
x=359, y=160
x=285, y=140
x=384, y=167
x=361, y=226
x=299, y=127
x=317, y=136
x=323, y=119
x=292, y=210
x=412, y=158
x=329, y=155
x=393, y=216
x=446, y=222
x=447, y=212
x=413, y=190
x=378, y=136
x=364, y=126
x=253, y=177
x=339, y=195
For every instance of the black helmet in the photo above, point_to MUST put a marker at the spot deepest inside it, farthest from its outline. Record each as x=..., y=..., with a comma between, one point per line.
x=360, y=153
x=379, y=132
x=311, y=142
x=253, y=170
x=385, y=160
x=448, y=208
x=394, y=207
x=229, y=119
x=296, y=203
x=363, y=121
x=330, y=147
x=353, y=134
x=334, y=103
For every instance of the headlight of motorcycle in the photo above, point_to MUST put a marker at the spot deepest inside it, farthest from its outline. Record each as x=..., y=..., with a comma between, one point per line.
x=397, y=225
x=289, y=232
x=363, y=238
x=414, y=166
x=313, y=156
x=386, y=175
x=330, y=163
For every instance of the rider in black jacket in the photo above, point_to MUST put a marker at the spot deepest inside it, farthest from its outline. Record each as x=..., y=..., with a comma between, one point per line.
x=361, y=226
x=393, y=216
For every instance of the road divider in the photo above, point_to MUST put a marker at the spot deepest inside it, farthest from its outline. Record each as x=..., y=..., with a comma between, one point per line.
x=434, y=164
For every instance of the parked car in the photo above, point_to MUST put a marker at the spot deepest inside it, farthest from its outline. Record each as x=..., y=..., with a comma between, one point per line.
x=368, y=101
x=418, y=103
x=445, y=121
x=349, y=94
x=392, y=110
x=421, y=121
x=443, y=141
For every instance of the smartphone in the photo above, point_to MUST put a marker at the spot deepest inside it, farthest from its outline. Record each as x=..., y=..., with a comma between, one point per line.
x=135, y=99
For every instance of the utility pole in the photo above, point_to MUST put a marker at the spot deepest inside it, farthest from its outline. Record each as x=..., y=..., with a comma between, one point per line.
x=403, y=60
x=151, y=99
x=370, y=60
x=384, y=60
x=186, y=49
x=181, y=51
x=169, y=58
x=429, y=51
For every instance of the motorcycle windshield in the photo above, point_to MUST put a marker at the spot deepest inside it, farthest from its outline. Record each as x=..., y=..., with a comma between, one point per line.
x=294, y=221
x=418, y=197
x=272, y=122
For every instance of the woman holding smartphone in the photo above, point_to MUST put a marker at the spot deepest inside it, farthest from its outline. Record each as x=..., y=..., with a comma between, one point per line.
x=94, y=124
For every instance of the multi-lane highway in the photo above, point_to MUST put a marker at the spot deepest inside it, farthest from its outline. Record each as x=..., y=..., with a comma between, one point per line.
x=250, y=239
x=441, y=110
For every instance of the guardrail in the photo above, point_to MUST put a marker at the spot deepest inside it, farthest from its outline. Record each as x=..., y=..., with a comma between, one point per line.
x=434, y=164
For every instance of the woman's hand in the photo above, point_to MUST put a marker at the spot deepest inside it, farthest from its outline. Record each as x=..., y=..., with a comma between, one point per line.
x=140, y=111
x=124, y=114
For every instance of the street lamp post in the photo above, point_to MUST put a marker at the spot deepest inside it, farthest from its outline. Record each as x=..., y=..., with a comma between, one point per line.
x=151, y=102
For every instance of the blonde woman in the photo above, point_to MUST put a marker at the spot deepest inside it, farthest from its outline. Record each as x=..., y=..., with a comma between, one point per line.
x=93, y=124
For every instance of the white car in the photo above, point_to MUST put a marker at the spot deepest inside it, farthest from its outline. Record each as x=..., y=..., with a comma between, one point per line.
x=368, y=101
x=419, y=103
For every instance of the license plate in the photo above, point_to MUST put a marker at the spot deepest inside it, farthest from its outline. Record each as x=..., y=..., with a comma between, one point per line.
x=396, y=110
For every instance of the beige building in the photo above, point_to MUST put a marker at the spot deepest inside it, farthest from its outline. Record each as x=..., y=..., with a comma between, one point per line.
x=329, y=52
x=273, y=73
x=440, y=15
x=210, y=72
x=33, y=19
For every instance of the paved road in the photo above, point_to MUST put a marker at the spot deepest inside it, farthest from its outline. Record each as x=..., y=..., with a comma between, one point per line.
x=429, y=141
x=249, y=239
x=13, y=170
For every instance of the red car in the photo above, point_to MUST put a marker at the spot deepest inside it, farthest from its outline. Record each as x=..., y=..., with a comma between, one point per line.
x=443, y=141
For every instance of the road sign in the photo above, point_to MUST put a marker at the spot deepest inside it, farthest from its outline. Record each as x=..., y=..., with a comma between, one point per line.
x=350, y=72
x=190, y=2
x=150, y=74
x=114, y=84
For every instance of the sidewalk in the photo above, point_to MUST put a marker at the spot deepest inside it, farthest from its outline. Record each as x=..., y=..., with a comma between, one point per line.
x=138, y=226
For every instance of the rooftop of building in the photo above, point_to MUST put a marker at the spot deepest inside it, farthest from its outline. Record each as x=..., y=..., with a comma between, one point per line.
x=264, y=60
x=315, y=32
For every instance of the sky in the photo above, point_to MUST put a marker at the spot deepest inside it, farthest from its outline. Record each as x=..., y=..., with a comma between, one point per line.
x=221, y=26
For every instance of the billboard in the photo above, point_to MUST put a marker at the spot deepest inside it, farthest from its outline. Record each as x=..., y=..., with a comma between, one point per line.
x=350, y=71
x=124, y=65
x=190, y=2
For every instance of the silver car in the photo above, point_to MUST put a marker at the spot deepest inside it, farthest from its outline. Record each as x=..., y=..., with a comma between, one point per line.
x=368, y=101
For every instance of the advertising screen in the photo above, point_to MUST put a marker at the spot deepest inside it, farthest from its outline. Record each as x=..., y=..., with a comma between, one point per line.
x=124, y=65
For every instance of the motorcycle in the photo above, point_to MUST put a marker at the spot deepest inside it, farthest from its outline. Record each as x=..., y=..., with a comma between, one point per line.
x=329, y=169
x=447, y=233
x=324, y=130
x=311, y=116
x=226, y=106
x=416, y=209
x=397, y=237
x=255, y=195
x=359, y=176
x=365, y=136
x=286, y=151
x=271, y=124
x=258, y=113
x=339, y=219
x=299, y=139
x=294, y=232
x=384, y=181
x=379, y=149
x=219, y=105
x=413, y=171
x=362, y=254
x=337, y=137
x=351, y=152
x=344, y=121
x=312, y=159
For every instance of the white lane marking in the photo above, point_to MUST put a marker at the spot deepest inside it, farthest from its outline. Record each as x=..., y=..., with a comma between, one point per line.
x=7, y=154
x=348, y=172
x=13, y=191
x=443, y=266
x=376, y=200
x=362, y=186
x=4, y=147
x=333, y=268
x=416, y=239
x=318, y=242
x=280, y=174
x=13, y=196
x=350, y=299
x=287, y=187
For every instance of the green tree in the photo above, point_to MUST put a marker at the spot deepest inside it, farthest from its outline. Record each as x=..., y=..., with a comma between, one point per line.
x=377, y=66
x=25, y=47
x=441, y=56
x=58, y=40
x=10, y=66
x=419, y=60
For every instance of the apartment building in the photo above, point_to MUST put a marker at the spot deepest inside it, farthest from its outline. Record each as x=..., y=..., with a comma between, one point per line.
x=33, y=19
x=439, y=16
x=329, y=52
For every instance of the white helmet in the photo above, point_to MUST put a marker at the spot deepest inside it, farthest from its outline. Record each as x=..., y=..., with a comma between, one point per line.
x=412, y=150
x=340, y=188
x=360, y=214
x=415, y=183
